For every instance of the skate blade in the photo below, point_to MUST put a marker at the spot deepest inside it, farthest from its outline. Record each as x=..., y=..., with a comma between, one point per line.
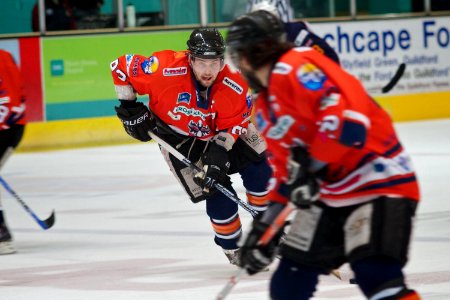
x=7, y=248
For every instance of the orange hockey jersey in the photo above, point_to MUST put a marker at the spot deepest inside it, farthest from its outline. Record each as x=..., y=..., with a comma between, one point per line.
x=314, y=103
x=12, y=100
x=175, y=98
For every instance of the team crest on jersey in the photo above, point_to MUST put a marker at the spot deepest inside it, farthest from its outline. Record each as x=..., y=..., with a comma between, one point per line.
x=184, y=98
x=311, y=77
x=150, y=65
x=233, y=85
x=280, y=129
x=174, y=71
x=198, y=129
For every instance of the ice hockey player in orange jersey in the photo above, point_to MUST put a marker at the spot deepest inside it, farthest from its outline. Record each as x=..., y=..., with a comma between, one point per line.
x=336, y=156
x=203, y=110
x=12, y=125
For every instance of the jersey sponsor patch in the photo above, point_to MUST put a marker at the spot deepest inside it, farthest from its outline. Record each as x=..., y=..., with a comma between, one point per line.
x=175, y=71
x=329, y=100
x=150, y=65
x=282, y=68
x=280, y=129
x=311, y=77
x=191, y=112
x=233, y=85
x=184, y=97
x=135, y=68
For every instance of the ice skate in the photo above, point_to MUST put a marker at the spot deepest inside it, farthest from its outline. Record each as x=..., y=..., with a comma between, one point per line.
x=6, y=245
x=232, y=255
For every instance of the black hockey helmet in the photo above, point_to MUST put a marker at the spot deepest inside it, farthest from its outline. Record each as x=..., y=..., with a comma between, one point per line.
x=206, y=43
x=259, y=36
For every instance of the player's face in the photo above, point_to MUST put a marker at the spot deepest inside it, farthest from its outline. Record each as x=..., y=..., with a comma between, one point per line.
x=206, y=70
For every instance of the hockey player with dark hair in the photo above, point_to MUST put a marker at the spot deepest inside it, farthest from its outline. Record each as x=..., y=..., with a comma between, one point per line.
x=203, y=110
x=336, y=156
x=12, y=125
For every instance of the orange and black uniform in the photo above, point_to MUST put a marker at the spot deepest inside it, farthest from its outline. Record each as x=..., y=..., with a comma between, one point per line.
x=368, y=187
x=188, y=121
x=12, y=103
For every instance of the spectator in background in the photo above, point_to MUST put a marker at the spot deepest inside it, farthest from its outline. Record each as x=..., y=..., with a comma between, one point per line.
x=58, y=16
x=440, y=5
x=86, y=12
x=282, y=7
x=298, y=32
x=12, y=125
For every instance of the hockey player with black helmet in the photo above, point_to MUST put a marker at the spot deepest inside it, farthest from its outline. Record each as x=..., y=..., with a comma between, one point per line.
x=202, y=109
x=336, y=156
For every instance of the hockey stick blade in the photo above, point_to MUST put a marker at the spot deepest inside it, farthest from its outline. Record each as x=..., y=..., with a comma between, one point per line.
x=398, y=74
x=45, y=224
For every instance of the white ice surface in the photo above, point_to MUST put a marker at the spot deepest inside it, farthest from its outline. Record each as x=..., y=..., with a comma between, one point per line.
x=125, y=230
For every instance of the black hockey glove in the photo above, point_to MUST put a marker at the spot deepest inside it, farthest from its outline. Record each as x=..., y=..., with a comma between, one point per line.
x=255, y=257
x=136, y=119
x=302, y=184
x=215, y=168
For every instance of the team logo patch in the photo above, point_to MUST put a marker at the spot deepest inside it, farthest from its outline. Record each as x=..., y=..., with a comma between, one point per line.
x=198, y=129
x=233, y=85
x=311, y=77
x=184, y=98
x=280, y=129
x=150, y=65
x=175, y=71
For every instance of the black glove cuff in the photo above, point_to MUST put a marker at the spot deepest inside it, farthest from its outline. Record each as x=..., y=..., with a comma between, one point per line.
x=129, y=103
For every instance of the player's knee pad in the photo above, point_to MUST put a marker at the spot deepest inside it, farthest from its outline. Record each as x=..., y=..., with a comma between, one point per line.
x=368, y=229
x=293, y=281
x=185, y=176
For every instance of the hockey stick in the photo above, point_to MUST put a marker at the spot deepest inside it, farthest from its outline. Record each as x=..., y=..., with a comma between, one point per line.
x=45, y=224
x=268, y=235
x=392, y=83
x=271, y=231
x=398, y=74
x=188, y=163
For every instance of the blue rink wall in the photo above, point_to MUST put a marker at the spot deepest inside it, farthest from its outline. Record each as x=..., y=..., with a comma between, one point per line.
x=79, y=94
